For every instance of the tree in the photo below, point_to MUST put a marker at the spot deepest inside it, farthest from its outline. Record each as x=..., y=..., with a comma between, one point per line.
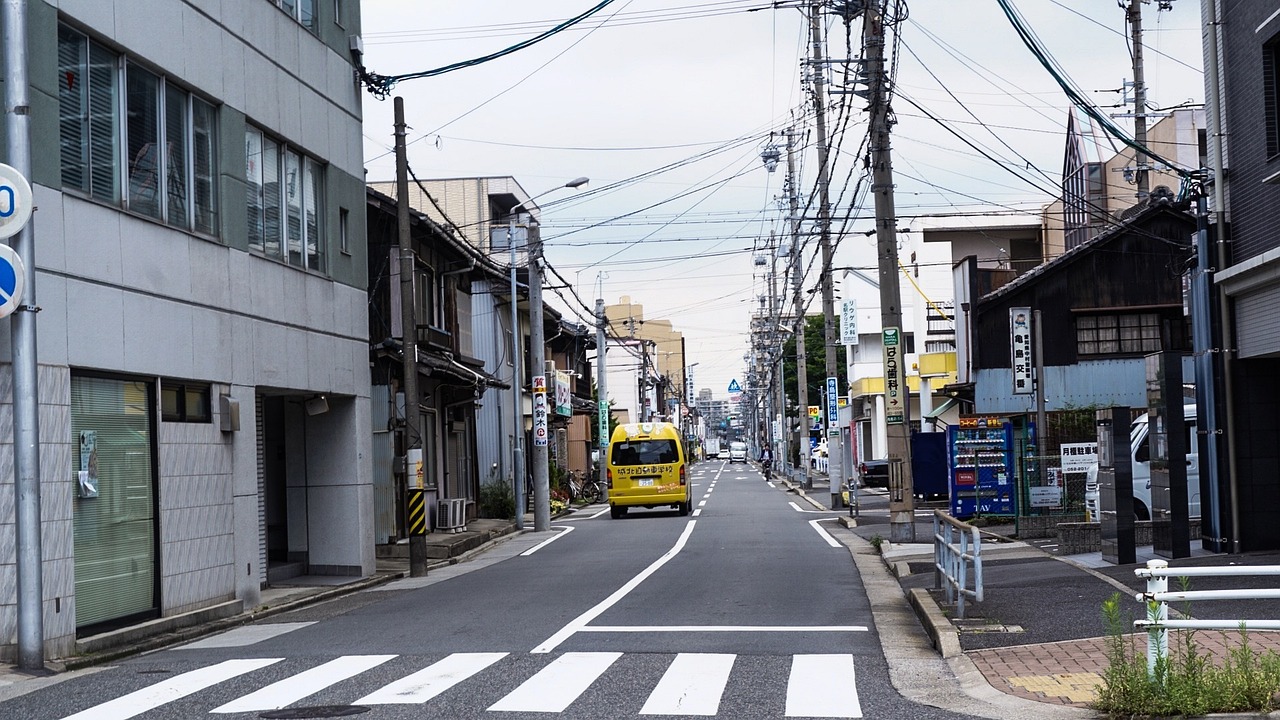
x=815, y=346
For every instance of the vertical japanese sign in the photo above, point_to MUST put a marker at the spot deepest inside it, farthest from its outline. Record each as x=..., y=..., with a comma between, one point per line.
x=604, y=423
x=540, y=410
x=1020, y=349
x=849, y=322
x=833, y=412
x=895, y=410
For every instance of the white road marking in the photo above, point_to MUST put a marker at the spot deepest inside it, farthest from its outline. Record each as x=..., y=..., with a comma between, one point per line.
x=247, y=635
x=175, y=688
x=825, y=535
x=724, y=628
x=566, y=528
x=581, y=621
x=433, y=680
x=799, y=509
x=770, y=483
x=697, y=512
x=692, y=685
x=809, y=689
x=557, y=685
x=701, y=503
x=605, y=510
x=309, y=682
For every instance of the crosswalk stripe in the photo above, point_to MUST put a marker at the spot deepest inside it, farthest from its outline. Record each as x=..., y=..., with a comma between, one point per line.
x=309, y=682
x=692, y=685
x=557, y=685
x=822, y=686
x=431, y=681
x=175, y=688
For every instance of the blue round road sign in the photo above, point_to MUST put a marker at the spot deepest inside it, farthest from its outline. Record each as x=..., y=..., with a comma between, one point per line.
x=12, y=275
x=15, y=201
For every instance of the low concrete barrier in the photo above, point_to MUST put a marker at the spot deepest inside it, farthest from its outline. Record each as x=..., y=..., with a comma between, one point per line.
x=1075, y=538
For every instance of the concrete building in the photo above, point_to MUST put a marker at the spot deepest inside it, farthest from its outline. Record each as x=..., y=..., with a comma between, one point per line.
x=202, y=342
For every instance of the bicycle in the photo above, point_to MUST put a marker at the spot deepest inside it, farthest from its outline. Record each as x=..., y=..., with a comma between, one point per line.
x=586, y=489
x=766, y=467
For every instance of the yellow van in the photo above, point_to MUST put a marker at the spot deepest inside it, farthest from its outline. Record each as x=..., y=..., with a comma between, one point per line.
x=646, y=468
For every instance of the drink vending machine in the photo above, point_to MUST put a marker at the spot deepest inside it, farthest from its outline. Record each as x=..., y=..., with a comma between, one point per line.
x=981, y=458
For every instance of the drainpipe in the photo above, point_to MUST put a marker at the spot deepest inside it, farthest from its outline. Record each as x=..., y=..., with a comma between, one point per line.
x=1223, y=260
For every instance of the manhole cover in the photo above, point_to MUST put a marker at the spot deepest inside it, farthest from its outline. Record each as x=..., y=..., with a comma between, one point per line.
x=318, y=711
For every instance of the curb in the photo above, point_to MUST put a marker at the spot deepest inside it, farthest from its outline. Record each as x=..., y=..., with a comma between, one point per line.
x=943, y=635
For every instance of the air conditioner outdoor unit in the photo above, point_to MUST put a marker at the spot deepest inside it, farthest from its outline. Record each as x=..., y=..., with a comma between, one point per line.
x=451, y=515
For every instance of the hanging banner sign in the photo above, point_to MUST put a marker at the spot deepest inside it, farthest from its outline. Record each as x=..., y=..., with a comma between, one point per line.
x=895, y=398
x=603, y=420
x=564, y=401
x=833, y=412
x=1020, y=349
x=849, y=322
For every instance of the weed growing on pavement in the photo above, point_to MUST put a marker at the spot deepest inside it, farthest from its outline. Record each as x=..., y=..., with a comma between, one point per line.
x=1186, y=682
x=877, y=542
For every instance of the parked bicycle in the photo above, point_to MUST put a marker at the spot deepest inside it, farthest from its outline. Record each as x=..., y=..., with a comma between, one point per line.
x=587, y=489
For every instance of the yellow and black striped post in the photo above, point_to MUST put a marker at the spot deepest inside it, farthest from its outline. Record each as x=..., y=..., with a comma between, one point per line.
x=418, y=524
x=417, y=512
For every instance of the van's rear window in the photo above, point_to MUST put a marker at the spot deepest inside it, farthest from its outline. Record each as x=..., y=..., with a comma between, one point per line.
x=644, y=452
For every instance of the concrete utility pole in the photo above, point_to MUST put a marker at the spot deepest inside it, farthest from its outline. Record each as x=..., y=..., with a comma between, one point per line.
x=602, y=393
x=408, y=341
x=797, y=274
x=22, y=338
x=902, y=526
x=1134, y=16
x=831, y=336
x=540, y=457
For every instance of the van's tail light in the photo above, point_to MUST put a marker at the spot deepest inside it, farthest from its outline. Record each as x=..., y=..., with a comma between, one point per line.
x=683, y=479
x=608, y=478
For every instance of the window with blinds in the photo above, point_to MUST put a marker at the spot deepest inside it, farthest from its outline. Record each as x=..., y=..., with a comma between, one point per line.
x=165, y=152
x=115, y=532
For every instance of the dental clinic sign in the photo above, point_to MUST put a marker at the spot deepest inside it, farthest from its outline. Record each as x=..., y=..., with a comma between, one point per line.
x=895, y=381
x=15, y=201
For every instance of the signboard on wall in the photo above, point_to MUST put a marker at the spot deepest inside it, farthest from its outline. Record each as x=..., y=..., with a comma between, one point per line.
x=564, y=403
x=849, y=322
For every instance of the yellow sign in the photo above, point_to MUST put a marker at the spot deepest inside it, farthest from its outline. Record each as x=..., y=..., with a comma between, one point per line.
x=815, y=411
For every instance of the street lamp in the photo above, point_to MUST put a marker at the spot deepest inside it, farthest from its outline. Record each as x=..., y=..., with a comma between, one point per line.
x=541, y=488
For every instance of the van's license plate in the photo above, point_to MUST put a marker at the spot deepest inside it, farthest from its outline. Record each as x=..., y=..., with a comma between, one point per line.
x=645, y=482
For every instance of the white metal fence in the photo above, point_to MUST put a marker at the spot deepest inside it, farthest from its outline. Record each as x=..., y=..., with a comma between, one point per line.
x=957, y=560
x=1158, y=596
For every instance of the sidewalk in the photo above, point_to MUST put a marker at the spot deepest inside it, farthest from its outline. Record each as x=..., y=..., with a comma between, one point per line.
x=443, y=549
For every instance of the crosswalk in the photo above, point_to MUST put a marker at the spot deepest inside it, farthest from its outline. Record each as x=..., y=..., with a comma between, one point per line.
x=693, y=684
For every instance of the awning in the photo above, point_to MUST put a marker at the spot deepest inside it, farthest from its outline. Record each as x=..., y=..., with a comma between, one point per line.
x=936, y=412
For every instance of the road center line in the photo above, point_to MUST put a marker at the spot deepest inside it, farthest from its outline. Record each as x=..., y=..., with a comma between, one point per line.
x=724, y=628
x=697, y=512
x=566, y=528
x=579, y=623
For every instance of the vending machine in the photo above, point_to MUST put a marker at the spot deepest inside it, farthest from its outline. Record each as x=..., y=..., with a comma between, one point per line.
x=980, y=451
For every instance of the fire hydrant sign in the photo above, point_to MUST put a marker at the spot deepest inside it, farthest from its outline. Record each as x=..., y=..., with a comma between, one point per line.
x=895, y=410
x=15, y=201
x=540, y=411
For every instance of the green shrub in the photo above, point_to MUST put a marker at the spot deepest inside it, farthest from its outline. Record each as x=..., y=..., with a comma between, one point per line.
x=497, y=501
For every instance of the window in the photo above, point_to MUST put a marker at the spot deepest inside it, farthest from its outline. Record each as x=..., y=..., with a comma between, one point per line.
x=283, y=202
x=344, y=240
x=185, y=402
x=123, y=162
x=1128, y=334
x=304, y=11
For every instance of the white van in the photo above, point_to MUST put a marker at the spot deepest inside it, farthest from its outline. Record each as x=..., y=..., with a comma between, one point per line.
x=737, y=452
x=1140, y=456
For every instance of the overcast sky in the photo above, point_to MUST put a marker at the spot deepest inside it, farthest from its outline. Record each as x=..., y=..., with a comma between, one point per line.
x=696, y=87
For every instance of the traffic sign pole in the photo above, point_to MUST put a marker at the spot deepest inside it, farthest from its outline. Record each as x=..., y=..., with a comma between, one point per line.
x=22, y=338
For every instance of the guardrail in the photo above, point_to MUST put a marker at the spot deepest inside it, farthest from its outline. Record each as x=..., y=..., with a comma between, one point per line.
x=957, y=559
x=1157, y=597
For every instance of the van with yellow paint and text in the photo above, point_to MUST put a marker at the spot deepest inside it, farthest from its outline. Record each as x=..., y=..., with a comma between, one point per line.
x=647, y=468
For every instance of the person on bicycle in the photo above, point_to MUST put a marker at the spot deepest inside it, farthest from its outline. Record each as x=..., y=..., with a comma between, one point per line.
x=766, y=460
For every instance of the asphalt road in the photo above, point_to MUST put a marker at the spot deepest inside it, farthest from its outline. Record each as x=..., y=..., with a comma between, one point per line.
x=751, y=608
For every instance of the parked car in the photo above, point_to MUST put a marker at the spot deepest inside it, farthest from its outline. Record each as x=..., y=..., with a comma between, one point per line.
x=874, y=473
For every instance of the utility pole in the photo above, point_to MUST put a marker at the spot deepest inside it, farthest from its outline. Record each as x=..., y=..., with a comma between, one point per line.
x=537, y=364
x=777, y=435
x=902, y=526
x=602, y=393
x=22, y=339
x=831, y=337
x=797, y=274
x=409, y=346
x=1134, y=16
